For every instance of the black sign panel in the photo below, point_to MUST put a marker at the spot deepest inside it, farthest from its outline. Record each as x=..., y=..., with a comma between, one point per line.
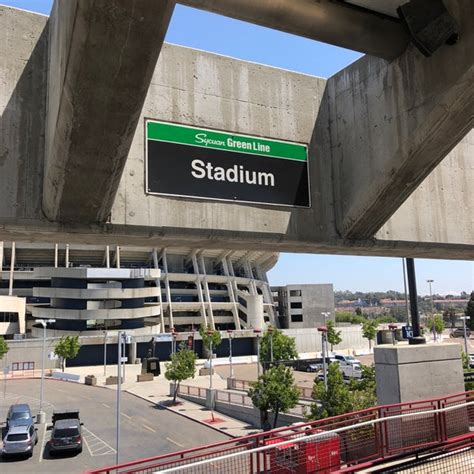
x=245, y=173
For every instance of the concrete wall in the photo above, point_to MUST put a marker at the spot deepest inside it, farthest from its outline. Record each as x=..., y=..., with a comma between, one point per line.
x=31, y=351
x=199, y=88
x=309, y=339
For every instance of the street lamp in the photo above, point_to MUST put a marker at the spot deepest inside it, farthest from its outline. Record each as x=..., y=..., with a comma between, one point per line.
x=326, y=315
x=432, y=311
x=257, y=332
x=230, y=335
x=210, y=333
x=44, y=322
x=323, y=330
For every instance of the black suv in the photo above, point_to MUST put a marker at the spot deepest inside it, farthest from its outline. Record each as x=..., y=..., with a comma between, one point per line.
x=66, y=436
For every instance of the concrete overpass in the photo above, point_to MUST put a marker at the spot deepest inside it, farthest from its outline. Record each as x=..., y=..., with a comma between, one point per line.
x=390, y=146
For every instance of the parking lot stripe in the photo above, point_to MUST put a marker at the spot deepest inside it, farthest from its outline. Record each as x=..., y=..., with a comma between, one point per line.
x=175, y=442
x=126, y=416
x=105, y=405
x=148, y=428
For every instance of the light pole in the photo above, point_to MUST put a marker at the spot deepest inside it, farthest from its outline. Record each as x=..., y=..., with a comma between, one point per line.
x=105, y=352
x=465, y=333
x=210, y=333
x=323, y=330
x=44, y=322
x=230, y=333
x=326, y=315
x=257, y=332
x=432, y=311
x=173, y=341
x=120, y=335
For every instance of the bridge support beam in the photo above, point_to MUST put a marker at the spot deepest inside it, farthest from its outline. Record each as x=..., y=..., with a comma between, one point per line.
x=391, y=123
x=102, y=55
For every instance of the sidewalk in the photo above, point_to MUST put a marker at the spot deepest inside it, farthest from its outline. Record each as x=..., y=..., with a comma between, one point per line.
x=157, y=392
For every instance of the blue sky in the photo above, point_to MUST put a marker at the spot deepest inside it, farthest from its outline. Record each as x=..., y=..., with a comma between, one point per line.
x=221, y=35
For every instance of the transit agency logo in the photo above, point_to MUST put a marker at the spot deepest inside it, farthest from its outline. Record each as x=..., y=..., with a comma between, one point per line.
x=232, y=143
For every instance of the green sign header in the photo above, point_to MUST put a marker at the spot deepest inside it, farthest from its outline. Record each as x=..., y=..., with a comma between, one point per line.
x=205, y=138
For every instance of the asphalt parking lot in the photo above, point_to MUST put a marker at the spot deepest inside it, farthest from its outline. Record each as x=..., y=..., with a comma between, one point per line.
x=146, y=430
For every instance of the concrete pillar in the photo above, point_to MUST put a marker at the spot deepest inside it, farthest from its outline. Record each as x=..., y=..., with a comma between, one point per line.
x=95, y=43
x=417, y=372
x=132, y=352
x=255, y=311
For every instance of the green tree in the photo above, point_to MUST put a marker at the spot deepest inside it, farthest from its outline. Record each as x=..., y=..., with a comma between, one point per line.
x=181, y=367
x=363, y=390
x=67, y=348
x=3, y=347
x=284, y=347
x=275, y=391
x=336, y=400
x=359, y=311
x=333, y=335
x=470, y=310
x=436, y=324
x=210, y=335
x=369, y=331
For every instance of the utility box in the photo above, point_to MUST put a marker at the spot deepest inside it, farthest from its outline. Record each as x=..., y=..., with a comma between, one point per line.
x=321, y=455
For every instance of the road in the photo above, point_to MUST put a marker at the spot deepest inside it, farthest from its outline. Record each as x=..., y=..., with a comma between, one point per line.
x=146, y=430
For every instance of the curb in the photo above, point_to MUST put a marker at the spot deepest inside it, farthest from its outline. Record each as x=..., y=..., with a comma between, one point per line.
x=184, y=415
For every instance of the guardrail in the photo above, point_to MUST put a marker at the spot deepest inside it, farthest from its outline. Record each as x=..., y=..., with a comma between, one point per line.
x=192, y=391
x=344, y=443
x=236, y=384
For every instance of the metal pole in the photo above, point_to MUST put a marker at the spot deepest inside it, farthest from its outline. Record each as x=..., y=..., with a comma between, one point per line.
x=124, y=352
x=42, y=367
x=230, y=357
x=406, y=293
x=415, y=317
x=432, y=310
x=210, y=368
x=105, y=351
x=5, y=376
x=323, y=347
x=465, y=335
x=119, y=358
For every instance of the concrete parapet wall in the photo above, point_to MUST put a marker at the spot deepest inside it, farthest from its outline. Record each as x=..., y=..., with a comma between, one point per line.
x=417, y=372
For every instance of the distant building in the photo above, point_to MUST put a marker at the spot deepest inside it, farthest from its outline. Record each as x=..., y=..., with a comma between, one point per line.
x=301, y=306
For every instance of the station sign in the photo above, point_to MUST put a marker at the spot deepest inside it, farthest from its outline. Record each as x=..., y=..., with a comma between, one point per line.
x=185, y=161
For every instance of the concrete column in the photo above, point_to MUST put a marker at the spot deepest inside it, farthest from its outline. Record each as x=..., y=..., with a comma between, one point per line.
x=255, y=311
x=391, y=124
x=1, y=256
x=158, y=284
x=199, y=289
x=417, y=372
x=12, y=270
x=167, y=286
x=91, y=43
x=132, y=352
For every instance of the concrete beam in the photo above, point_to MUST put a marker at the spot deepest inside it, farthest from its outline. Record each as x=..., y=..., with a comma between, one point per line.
x=391, y=123
x=102, y=55
x=331, y=22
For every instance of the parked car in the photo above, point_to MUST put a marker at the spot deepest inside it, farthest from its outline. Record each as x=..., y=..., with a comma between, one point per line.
x=347, y=359
x=471, y=361
x=459, y=332
x=351, y=371
x=20, y=440
x=19, y=414
x=314, y=367
x=66, y=435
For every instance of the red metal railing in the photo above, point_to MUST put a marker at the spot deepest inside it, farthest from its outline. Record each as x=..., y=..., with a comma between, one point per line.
x=360, y=438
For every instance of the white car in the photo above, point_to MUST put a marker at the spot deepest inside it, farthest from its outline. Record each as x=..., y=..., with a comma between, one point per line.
x=347, y=359
x=471, y=361
x=352, y=371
